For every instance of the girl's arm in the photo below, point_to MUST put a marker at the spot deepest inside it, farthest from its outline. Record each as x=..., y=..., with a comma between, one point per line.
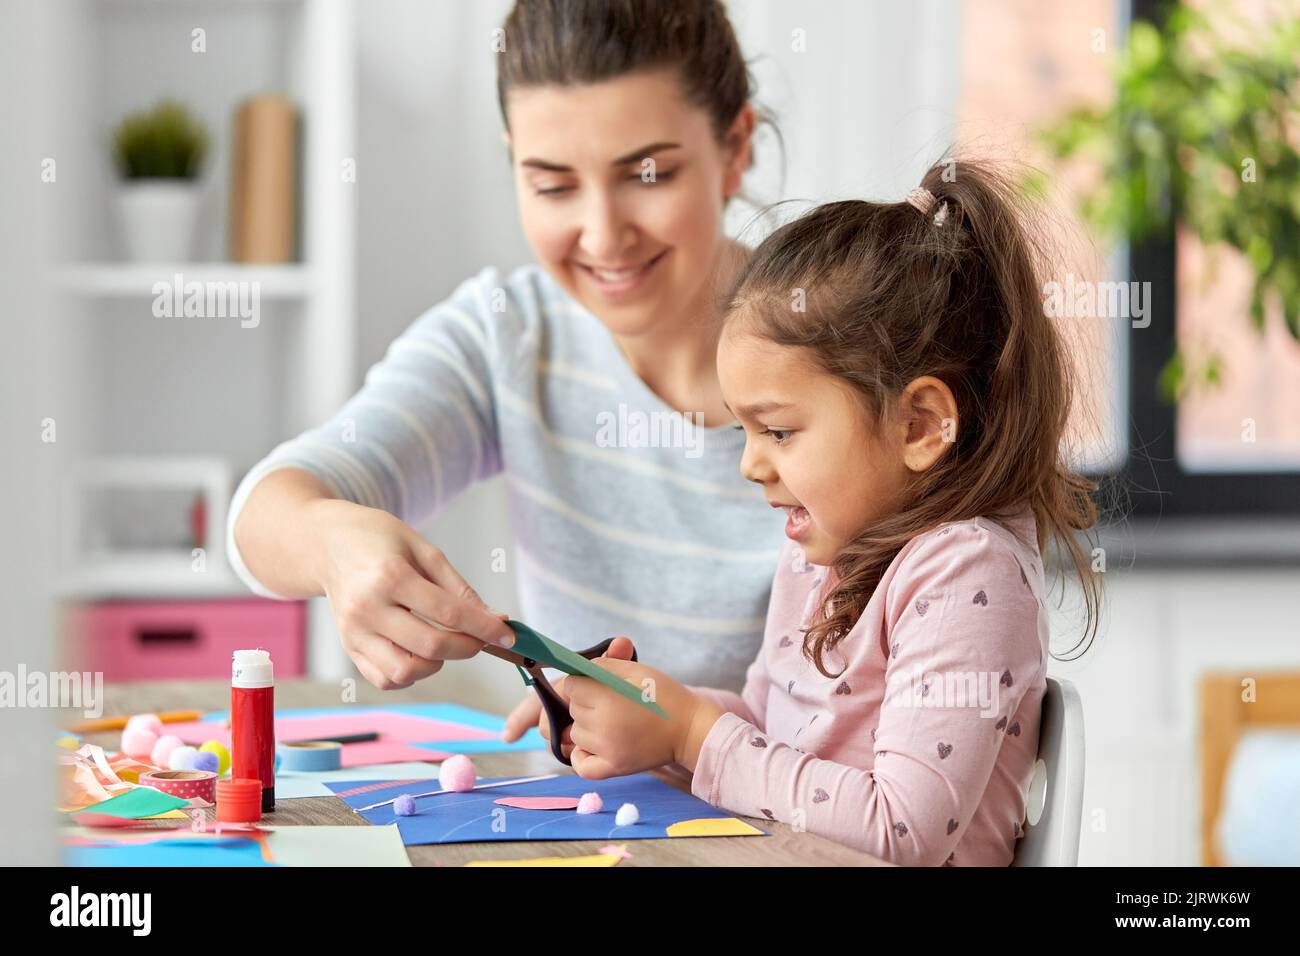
x=935, y=750
x=750, y=704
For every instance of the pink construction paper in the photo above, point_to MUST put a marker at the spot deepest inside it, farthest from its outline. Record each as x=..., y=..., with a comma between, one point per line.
x=539, y=803
x=395, y=732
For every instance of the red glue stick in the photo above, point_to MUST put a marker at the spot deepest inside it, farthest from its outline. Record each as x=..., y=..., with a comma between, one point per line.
x=252, y=721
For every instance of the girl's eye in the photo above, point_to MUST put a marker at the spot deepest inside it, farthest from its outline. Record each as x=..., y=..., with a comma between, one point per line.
x=778, y=435
x=552, y=190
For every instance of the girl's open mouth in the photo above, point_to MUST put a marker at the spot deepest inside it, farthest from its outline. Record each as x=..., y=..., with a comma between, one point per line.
x=797, y=523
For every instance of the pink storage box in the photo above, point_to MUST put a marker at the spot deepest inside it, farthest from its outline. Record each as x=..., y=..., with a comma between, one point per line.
x=158, y=640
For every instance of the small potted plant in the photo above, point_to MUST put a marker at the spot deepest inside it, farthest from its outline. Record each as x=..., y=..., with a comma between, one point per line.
x=159, y=154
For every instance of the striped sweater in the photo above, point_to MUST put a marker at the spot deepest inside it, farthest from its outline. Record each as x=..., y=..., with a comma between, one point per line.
x=628, y=517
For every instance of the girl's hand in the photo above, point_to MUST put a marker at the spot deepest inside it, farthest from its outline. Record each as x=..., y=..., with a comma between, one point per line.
x=620, y=648
x=612, y=735
x=525, y=714
x=401, y=608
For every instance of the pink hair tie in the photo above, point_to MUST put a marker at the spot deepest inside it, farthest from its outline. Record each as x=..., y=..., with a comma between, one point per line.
x=922, y=200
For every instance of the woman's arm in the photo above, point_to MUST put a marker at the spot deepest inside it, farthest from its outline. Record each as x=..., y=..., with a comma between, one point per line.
x=277, y=536
x=330, y=511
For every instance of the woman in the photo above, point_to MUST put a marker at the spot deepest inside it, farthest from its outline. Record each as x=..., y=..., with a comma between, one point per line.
x=629, y=127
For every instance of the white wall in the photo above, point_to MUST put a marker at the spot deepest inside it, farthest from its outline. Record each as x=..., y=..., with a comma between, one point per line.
x=1163, y=630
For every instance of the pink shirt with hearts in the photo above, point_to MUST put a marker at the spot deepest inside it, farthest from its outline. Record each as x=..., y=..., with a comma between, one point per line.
x=920, y=751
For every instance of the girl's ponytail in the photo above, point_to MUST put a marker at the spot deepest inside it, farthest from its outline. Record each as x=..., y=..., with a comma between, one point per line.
x=947, y=282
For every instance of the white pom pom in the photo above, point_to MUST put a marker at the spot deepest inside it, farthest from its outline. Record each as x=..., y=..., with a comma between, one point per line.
x=627, y=815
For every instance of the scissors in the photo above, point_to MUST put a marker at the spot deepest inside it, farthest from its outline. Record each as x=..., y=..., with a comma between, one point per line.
x=556, y=710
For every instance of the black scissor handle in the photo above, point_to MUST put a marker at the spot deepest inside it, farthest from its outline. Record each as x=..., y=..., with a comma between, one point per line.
x=557, y=711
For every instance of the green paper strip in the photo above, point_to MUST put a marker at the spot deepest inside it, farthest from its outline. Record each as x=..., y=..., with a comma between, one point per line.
x=136, y=803
x=546, y=652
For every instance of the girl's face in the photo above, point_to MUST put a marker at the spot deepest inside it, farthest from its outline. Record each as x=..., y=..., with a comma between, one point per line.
x=809, y=442
x=621, y=188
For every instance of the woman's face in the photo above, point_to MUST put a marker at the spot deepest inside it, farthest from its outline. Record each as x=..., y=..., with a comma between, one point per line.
x=621, y=189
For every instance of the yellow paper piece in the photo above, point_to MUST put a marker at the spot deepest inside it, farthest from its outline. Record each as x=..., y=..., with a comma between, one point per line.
x=719, y=826
x=598, y=859
x=169, y=815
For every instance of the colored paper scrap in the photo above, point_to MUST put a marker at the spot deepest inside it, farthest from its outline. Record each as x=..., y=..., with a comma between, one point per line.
x=267, y=846
x=137, y=803
x=538, y=803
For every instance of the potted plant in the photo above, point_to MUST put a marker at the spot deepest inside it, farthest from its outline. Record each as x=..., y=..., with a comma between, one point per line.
x=1201, y=134
x=159, y=154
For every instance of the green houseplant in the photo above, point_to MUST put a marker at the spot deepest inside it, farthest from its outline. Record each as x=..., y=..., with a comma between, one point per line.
x=159, y=153
x=1202, y=133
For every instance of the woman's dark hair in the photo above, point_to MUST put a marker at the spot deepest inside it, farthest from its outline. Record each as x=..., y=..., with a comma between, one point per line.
x=891, y=293
x=571, y=42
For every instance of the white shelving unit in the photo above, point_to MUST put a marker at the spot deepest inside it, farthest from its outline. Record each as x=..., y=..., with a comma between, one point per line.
x=202, y=387
x=134, y=280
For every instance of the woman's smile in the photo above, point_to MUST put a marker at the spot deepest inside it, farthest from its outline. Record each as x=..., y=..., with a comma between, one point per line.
x=619, y=284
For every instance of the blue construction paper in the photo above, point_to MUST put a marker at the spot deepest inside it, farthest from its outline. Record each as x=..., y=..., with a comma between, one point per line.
x=188, y=851
x=531, y=740
x=470, y=817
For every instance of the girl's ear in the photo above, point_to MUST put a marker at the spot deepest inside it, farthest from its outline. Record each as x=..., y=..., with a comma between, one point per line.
x=930, y=418
x=739, y=145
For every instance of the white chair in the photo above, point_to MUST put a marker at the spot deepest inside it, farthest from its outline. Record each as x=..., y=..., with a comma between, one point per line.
x=1054, y=808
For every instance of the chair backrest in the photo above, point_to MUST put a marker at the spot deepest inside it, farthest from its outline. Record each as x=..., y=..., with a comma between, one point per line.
x=1055, y=806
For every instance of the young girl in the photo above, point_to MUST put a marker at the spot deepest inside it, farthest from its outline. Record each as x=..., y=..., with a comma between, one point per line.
x=903, y=397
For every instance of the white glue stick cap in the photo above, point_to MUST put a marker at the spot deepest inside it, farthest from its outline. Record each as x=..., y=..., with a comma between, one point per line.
x=252, y=669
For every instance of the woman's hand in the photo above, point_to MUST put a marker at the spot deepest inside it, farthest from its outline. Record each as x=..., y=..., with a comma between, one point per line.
x=401, y=608
x=612, y=735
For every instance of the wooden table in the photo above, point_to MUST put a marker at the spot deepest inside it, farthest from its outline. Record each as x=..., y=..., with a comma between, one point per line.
x=785, y=847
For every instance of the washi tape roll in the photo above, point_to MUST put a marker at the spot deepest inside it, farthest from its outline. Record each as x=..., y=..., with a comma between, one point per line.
x=315, y=755
x=185, y=784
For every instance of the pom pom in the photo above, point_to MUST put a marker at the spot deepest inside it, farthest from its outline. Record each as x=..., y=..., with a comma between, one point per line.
x=205, y=760
x=149, y=722
x=627, y=815
x=590, y=803
x=162, y=750
x=223, y=755
x=69, y=741
x=138, y=742
x=182, y=758
x=457, y=773
x=404, y=806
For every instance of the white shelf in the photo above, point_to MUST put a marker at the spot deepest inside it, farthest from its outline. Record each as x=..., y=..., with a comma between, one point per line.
x=149, y=578
x=137, y=280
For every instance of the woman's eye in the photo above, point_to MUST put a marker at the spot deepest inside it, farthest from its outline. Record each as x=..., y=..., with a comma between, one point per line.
x=659, y=177
x=551, y=190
